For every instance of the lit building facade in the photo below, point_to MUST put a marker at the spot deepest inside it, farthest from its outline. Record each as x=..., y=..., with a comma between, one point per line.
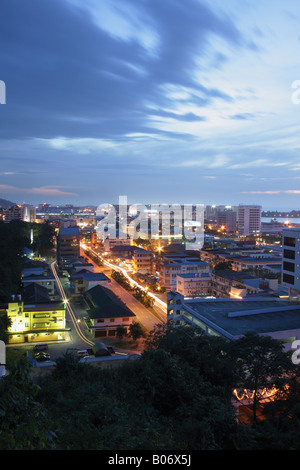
x=36, y=322
x=249, y=220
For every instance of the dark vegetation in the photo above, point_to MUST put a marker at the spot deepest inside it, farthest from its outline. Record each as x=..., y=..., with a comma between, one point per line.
x=14, y=237
x=178, y=395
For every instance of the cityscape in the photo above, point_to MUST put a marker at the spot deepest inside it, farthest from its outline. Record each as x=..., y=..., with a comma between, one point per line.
x=149, y=227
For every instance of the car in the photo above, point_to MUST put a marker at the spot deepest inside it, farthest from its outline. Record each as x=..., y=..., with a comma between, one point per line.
x=41, y=347
x=42, y=357
x=82, y=353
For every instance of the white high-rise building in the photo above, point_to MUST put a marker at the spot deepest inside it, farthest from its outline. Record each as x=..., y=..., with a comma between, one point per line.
x=249, y=220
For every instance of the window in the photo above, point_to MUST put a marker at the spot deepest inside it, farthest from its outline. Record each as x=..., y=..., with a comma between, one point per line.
x=290, y=254
x=288, y=278
x=288, y=266
x=290, y=241
x=126, y=319
x=111, y=320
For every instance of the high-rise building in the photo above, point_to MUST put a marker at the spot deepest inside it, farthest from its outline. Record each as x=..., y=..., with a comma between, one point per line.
x=291, y=258
x=227, y=219
x=249, y=220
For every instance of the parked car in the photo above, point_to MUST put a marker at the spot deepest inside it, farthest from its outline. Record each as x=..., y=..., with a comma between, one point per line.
x=41, y=347
x=42, y=356
x=82, y=353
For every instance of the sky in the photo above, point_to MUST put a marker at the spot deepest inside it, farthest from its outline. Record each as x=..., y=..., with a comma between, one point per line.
x=162, y=101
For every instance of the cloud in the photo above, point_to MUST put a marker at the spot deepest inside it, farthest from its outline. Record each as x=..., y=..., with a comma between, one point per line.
x=41, y=191
x=287, y=191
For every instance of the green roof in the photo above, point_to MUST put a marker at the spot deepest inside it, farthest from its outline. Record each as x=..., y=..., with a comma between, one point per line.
x=105, y=304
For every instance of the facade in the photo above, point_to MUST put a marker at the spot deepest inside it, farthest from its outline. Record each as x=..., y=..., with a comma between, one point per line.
x=169, y=266
x=249, y=220
x=232, y=318
x=68, y=245
x=46, y=281
x=227, y=219
x=107, y=312
x=36, y=322
x=272, y=227
x=237, y=284
x=142, y=261
x=194, y=285
x=84, y=280
x=291, y=258
x=29, y=213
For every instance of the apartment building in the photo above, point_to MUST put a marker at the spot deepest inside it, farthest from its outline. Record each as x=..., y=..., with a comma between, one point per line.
x=249, y=220
x=194, y=285
x=169, y=266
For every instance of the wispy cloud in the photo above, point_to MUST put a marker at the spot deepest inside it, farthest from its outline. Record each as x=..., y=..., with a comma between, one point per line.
x=40, y=191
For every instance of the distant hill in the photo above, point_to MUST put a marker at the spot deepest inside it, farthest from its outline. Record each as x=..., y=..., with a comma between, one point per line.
x=5, y=203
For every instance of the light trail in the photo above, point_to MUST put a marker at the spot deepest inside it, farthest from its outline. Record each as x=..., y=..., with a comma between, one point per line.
x=68, y=307
x=132, y=281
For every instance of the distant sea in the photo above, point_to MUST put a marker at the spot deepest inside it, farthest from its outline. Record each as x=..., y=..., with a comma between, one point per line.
x=292, y=220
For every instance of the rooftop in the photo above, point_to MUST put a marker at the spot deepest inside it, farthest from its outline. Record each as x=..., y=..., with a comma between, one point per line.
x=105, y=304
x=237, y=317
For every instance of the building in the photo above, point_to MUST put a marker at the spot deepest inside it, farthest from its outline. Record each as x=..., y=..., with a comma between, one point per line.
x=36, y=322
x=142, y=261
x=227, y=221
x=169, y=266
x=29, y=213
x=47, y=281
x=107, y=312
x=233, y=318
x=291, y=258
x=236, y=284
x=249, y=220
x=194, y=285
x=272, y=227
x=14, y=212
x=110, y=243
x=68, y=245
x=82, y=281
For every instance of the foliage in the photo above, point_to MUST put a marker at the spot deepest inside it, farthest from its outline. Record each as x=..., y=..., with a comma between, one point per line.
x=13, y=240
x=135, y=331
x=23, y=421
x=176, y=396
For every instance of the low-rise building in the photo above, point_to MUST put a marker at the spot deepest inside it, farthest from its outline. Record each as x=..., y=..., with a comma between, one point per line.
x=194, y=285
x=107, y=312
x=82, y=281
x=233, y=318
x=47, y=281
x=169, y=266
x=142, y=261
x=36, y=322
x=229, y=283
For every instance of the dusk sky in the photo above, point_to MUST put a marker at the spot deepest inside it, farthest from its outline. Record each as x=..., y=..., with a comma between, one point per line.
x=162, y=101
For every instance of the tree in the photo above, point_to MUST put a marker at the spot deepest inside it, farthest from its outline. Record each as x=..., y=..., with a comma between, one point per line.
x=120, y=331
x=136, y=331
x=261, y=363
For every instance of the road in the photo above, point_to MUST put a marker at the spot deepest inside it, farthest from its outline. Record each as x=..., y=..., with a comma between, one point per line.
x=83, y=340
x=148, y=319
